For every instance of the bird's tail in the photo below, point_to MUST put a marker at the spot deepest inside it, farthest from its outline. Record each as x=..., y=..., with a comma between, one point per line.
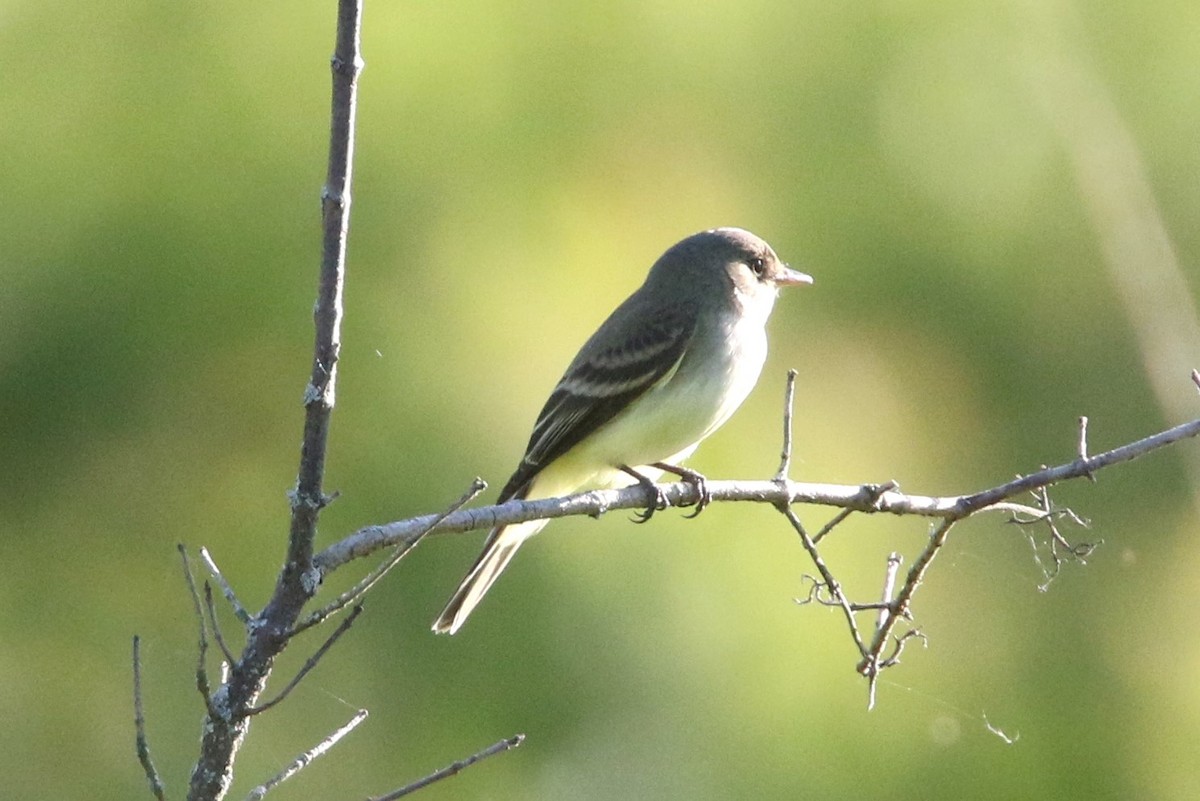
x=502, y=545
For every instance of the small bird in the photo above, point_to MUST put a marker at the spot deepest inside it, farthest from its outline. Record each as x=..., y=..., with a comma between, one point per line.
x=664, y=371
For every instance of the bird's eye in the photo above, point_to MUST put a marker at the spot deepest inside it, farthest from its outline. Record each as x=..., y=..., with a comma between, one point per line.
x=757, y=266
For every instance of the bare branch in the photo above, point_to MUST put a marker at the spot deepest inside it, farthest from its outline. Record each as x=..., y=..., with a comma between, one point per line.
x=873, y=660
x=856, y=497
x=889, y=586
x=1076, y=469
x=216, y=627
x=310, y=663
x=830, y=583
x=875, y=491
x=785, y=458
x=451, y=770
x=893, y=659
x=302, y=761
x=226, y=589
x=297, y=581
x=1083, y=446
x=202, y=683
x=139, y=724
x=368, y=581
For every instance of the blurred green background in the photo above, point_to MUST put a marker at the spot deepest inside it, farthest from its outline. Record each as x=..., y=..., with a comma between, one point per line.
x=956, y=175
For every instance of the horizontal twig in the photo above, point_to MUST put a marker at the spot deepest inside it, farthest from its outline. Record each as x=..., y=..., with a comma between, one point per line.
x=858, y=498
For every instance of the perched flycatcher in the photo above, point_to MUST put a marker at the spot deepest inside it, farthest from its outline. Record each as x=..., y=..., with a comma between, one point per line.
x=664, y=371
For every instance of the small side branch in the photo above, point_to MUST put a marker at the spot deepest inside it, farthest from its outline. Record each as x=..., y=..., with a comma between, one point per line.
x=360, y=589
x=202, y=683
x=873, y=492
x=298, y=581
x=310, y=663
x=830, y=584
x=889, y=586
x=305, y=759
x=139, y=724
x=216, y=627
x=785, y=457
x=226, y=589
x=873, y=660
x=451, y=770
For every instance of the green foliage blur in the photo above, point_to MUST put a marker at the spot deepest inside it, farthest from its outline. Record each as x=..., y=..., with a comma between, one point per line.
x=519, y=166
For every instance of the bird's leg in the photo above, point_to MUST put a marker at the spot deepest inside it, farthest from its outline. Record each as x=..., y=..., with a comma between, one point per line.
x=697, y=480
x=660, y=500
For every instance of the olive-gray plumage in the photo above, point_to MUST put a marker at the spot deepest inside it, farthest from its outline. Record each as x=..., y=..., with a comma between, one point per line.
x=666, y=369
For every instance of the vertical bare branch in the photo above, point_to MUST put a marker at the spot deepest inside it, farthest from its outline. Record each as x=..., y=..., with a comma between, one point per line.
x=139, y=724
x=889, y=586
x=785, y=458
x=202, y=683
x=227, y=721
x=308, y=497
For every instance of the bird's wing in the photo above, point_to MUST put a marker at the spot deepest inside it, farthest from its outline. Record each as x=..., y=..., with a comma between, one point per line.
x=601, y=382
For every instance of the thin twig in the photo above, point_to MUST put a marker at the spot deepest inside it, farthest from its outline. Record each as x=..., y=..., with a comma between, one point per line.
x=401, y=550
x=216, y=627
x=596, y=502
x=201, y=669
x=302, y=761
x=310, y=663
x=833, y=523
x=450, y=770
x=889, y=586
x=898, y=645
x=1057, y=544
x=785, y=457
x=226, y=589
x=831, y=584
x=872, y=661
x=874, y=492
x=1083, y=447
x=139, y=724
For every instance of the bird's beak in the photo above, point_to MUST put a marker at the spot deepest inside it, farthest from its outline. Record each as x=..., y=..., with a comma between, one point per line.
x=789, y=277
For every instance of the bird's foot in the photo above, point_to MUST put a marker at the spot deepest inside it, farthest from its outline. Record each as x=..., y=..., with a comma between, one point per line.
x=660, y=498
x=694, y=478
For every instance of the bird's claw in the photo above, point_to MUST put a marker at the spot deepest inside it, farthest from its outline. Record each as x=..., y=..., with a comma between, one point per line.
x=694, y=478
x=698, y=481
x=660, y=498
x=660, y=503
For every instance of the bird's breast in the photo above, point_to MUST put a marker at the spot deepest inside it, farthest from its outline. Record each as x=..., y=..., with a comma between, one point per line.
x=714, y=376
